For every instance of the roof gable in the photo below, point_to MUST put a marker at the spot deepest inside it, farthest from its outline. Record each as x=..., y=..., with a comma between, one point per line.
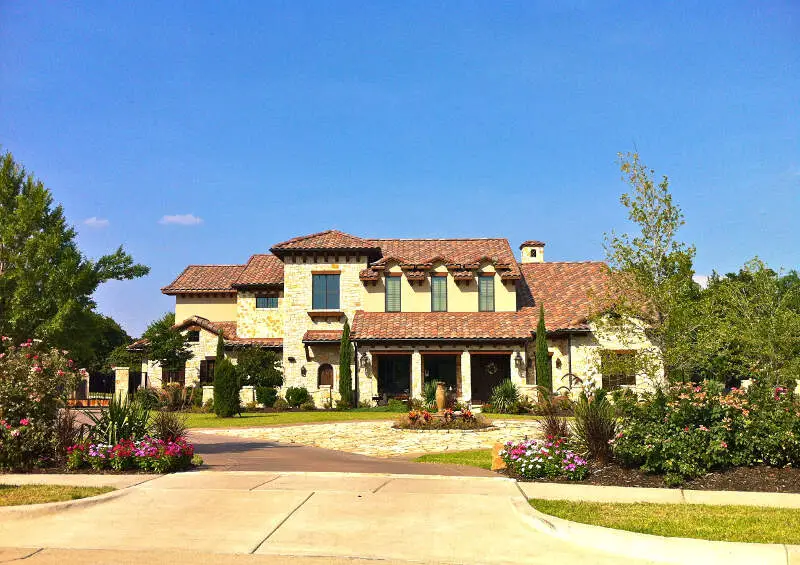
x=261, y=270
x=325, y=240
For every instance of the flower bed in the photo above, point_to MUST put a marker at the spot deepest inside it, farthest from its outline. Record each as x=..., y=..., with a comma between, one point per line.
x=446, y=420
x=147, y=455
x=543, y=459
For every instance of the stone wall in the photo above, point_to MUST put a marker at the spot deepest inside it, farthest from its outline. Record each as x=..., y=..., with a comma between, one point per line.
x=258, y=322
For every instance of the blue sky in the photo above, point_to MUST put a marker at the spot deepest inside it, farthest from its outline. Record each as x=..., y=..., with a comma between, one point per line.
x=268, y=120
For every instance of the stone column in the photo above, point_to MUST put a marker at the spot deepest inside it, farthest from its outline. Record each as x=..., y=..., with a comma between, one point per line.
x=416, y=374
x=518, y=371
x=466, y=377
x=121, y=375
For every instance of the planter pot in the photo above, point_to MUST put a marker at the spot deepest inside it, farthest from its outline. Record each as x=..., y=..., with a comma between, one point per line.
x=441, y=395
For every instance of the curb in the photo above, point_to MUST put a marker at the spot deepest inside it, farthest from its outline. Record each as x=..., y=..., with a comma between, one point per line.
x=36, y=510
x=651, y=547
x=354, y=474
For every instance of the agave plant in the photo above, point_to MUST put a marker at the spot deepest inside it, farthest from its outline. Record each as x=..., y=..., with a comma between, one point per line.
x=505, y=397
x=122, y=420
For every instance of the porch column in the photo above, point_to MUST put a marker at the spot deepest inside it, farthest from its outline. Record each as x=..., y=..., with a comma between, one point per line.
x=466, y=377
x=121, y=375
x=416, y=374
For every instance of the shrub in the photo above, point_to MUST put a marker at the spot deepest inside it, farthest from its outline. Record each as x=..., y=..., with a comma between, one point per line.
x=505, y=397
x=34, y=383
x=149, y=398
x=148, y=454
x=68, y=432
x=266, y=395
x=297, y=395
x=122, y=419
x=175, y=397
x=259, y=368
x=429, y=395
x=280, y=404
x=226, y=390
x=168, y=426
x=595, y=424
x=394, y=405
x=308, y=405
x=688, y=430
x=448, y=420
x=552, y=423
x=537, y=459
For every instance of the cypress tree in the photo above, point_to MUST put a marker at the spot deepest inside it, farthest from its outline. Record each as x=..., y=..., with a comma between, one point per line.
x=226, y=384
x=544, y=371
x=345, y=358
x=220, y=347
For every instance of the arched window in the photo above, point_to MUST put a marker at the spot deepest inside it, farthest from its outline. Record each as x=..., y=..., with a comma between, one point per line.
x=325, y=375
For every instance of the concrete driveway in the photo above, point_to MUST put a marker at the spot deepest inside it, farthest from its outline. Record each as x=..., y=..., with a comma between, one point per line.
x=306, y=515
x=231, y=453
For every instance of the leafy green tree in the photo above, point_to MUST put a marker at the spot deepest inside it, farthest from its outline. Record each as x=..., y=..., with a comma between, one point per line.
x=166, y=344
x=749, y=326
x=650, y=285
x=259, y=368
x=121, y=357
x=345, y=359
x=46, y=284
x=544, y=370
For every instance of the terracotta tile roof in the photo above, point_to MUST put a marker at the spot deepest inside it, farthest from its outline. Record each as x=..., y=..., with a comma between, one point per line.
x=531, y=243
x=322, y=335
x=440, y=325
x=368, y=275
x=228, y=334
x=457, y=254
x=204, y=278
x=565, y=290
x=261, y=270
x=329, y=239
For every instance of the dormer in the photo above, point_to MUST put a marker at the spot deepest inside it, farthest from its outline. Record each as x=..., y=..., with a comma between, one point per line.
x=532, y=251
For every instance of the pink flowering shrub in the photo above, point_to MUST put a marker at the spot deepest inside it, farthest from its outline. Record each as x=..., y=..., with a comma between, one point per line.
x=543, y=459
x=34, y=384
x=691, y=429
x=148, y=454
x=446, y=420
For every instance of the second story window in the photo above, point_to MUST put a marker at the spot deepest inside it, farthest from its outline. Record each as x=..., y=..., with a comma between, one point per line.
x=325, y=292
x=266, y=301
x=193, y=336
x=486, y=293
x=438, y=294
x=393, y=294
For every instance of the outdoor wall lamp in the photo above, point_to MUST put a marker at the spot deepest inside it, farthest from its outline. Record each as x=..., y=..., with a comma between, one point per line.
x=303, y=370
x=364, y=361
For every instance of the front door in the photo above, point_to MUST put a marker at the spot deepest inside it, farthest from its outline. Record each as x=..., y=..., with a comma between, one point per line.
x=394, y=376
x=488, y=371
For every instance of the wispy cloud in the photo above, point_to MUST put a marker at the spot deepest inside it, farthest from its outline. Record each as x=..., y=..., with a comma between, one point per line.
x=702, y=280
x=95, y=222
x=181, y=220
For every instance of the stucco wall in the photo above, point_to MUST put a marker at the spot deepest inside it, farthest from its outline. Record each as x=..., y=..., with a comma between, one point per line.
x=214, y=308
x=461, y=297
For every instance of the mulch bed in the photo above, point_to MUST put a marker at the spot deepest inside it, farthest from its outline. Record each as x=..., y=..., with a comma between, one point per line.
x=752, y=479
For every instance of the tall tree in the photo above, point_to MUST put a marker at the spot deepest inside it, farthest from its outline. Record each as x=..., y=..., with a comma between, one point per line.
x=650, y=285
x=46, y=284
x=259, y=367
x=544, y=370
x=166, y=344
x=345, y=359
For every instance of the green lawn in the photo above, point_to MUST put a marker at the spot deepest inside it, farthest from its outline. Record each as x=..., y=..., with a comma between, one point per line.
x=12, y=495
x=722, y=523
x=256, y=419
x=474, y=458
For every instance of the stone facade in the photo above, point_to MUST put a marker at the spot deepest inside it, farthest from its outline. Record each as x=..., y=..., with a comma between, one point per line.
x=258, y=322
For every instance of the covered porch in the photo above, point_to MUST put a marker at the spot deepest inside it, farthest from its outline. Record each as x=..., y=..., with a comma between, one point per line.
x=470, y=370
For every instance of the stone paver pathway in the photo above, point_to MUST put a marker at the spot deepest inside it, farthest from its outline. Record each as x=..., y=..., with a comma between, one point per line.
x=379, y=439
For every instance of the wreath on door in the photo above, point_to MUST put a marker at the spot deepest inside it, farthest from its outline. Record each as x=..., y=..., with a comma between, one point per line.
x=491, y=368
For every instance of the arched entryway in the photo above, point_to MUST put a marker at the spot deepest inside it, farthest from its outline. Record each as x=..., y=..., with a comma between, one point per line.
x=325, y=375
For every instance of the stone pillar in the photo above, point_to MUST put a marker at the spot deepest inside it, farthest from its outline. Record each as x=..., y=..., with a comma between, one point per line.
x=121, y=375
x=466, y=377
x=208, y=394
x=247, y=395
x=416, y=374
x=518, y=368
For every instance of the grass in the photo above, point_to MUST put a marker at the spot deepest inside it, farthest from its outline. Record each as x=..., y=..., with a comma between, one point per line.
x=257, y=419
x=474, y=458
x=13, y=495
x=720, y=523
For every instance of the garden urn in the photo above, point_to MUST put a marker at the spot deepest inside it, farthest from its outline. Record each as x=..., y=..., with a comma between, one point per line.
x=441, y=395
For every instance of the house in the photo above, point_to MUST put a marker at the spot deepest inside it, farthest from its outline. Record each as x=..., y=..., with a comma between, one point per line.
x=462, y=311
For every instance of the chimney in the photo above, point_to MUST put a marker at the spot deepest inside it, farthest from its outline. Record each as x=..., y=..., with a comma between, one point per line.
x=532, y=251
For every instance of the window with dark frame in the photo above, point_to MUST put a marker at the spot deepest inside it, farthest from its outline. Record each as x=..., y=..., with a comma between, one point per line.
x=325, y=291
x=393, y=289
x=193, y=336
x=486, y=293
x=207, y=371
x=618, y=369
x=439, y=293
x=266, y=301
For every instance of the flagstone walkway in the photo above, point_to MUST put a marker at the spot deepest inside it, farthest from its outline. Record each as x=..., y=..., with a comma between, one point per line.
x=379, y=439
